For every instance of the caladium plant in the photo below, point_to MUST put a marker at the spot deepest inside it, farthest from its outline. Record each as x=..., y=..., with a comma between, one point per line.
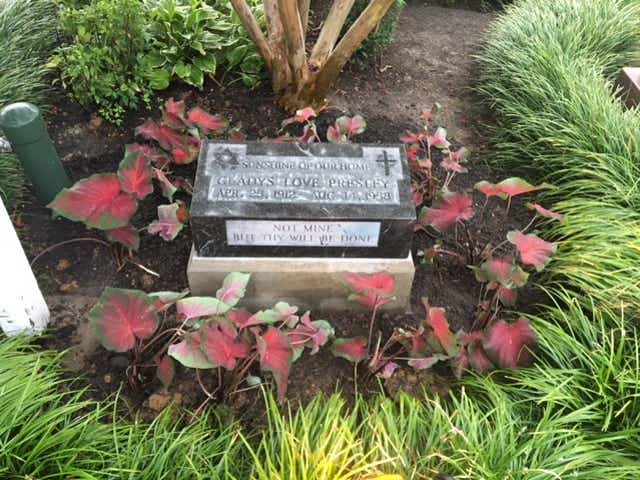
x=206, y=333
x=108, y=201
x=342, y=131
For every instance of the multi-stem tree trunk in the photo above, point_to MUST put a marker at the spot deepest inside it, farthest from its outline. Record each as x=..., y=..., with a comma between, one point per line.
x=299, y=79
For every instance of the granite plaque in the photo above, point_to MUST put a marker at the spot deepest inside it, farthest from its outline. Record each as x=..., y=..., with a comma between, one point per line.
x=274, y=199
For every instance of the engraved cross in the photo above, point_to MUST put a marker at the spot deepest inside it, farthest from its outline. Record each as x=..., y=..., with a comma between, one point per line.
x=384, y=159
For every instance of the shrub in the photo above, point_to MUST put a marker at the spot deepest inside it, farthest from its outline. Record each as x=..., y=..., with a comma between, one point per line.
x=101, y=62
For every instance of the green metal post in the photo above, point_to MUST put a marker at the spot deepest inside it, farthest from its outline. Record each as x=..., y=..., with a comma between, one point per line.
x=23, y=126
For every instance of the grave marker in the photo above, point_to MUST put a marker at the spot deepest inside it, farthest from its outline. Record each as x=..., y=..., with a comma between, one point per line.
x=300, y=215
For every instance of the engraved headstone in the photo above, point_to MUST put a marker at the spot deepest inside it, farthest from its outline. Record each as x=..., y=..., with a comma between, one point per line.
x=294, y=200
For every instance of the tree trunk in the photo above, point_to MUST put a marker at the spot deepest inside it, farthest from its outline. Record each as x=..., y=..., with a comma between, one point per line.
x=299, y=80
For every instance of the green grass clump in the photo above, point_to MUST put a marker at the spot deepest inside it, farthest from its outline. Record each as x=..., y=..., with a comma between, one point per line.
x=49, y=432
x=548, y=70
x=27, y=36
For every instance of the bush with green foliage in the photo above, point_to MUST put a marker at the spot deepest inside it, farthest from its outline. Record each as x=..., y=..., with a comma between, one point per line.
x=190, y=38
x=27, y=36
x=382, y=37
x=101, y=60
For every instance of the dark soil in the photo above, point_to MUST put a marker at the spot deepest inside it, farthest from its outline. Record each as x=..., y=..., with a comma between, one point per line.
x=431, y=61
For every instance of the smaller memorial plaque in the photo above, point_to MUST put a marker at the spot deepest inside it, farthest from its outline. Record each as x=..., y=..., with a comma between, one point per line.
x=318, y=200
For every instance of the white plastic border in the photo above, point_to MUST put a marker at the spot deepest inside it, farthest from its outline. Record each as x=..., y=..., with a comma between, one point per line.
x=22, y=306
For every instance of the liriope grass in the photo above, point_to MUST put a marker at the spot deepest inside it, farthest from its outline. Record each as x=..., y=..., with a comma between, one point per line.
x=548, y=71
x=27, y=37
x=49, y=432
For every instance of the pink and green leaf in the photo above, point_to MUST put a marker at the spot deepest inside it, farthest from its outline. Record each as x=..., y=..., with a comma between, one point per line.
x=275, y=356
x=97, y=201
x=168, y=224
x=173, y=113
x=168, y=188
x=233, y=288
x=222, y=347
x=449, y=210
x=122, y=317
x=509, y=345
x=335, y=136
x=426, y=362
x=134, y=173
x=127, y=236
x=205, y=121
x=281, y=312
x=543, y=212
x=312, y=334
x=240, y=318
x=166, y=371
x=189, y=352
x=532, y=249
x=478, y=357
x=438, y=139
x=437, y=320
x=301, y=116
x=197, y=307
x=351, y=349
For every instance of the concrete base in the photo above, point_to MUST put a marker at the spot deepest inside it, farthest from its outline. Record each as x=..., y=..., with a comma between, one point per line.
x=309, y=283
x=629, y=81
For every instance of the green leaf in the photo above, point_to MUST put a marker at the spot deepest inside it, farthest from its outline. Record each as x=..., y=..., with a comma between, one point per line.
x=183, y=71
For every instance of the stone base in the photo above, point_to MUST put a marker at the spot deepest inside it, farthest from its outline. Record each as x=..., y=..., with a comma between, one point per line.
x=629, y=81
x=310, y=283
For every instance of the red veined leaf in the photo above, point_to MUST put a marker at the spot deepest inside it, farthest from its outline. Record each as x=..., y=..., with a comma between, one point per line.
x=153, y=155
x=189, y=352
x=460, y=155
x=196, y=307
x=418, y=199
x=97, y=201
x=239, y=317
x=351, y=125
x=501, y=270
x=134, y=173
x=127, y=236
x=517, y=186
x=206, y=121
x=233, y=288
x=448, y=163
x=312, y=334
x=334, y=135
x=413, y=152
x=411, y=138
x=388, y=370
x=426, y=362
x=461, y=363
x=352, y=349
x=222, y=348
x=168, y=188
x=418, y=343
x=164, y=300
x=439, y=139
x=449, y=210
x=275, y=357
x=469, y=338
x=478, y=357
x=123, y=316
x=167, y=137
x=509, y=344
x=168, y=224
x=281, y=312
x=301, y=116
x=185, y=154
x=173, y=113
x=371, y=290
x=166, y=371
x=507, y=296
x=437, y=320
x=543, y=212
x=533, y=250
x=489, y=189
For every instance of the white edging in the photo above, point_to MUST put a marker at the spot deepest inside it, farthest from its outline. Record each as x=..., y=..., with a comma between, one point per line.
x=22, y=306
